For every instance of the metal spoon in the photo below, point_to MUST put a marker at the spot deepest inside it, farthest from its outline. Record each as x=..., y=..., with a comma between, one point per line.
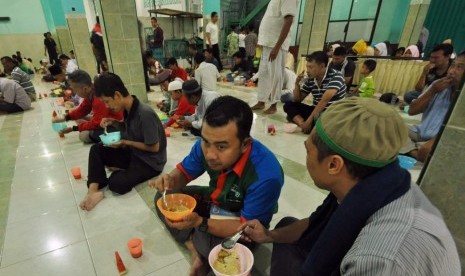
x=230, y=242
x=105, y=131
x=165, y=203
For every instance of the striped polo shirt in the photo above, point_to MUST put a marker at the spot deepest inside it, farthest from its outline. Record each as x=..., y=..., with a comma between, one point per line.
x=406, y=237
x=332, y=80
x=23, y=79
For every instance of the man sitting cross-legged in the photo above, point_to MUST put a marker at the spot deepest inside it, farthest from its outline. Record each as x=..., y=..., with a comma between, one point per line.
x=141, y=154
x=326, y=86
x=245, y=179
x=89, y=130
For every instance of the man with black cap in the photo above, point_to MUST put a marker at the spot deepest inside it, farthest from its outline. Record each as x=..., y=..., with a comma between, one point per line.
x=374, y=221
x=195, y=95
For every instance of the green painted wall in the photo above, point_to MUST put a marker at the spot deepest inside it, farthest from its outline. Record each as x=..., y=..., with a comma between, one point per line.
x=78, y=5
x=48, y=15
x=57, y=12
x=210, y=6
x=26, y=17
x=440, y=29
x=391, y=21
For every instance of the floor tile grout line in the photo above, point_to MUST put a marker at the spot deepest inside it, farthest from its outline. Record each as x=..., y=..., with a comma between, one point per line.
x=177, y=261
x=86, y=236
x=2, y=238
x=42, y=254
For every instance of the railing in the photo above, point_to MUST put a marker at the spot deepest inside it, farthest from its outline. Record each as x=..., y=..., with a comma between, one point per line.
x=396, y=75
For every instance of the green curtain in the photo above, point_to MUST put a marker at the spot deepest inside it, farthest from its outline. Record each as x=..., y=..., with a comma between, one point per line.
x=445, y=19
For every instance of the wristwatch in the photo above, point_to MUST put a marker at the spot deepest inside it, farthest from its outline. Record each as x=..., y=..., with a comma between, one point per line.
x=203, y=227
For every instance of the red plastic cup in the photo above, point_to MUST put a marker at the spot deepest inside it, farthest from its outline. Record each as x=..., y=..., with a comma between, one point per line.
x=76, y=171
x=271, y=128
x=167, y=132
x=135, y=247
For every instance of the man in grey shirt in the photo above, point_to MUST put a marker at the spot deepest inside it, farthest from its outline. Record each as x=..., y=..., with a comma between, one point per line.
x=202, y=99
x=19, y=76
x=13, y=98
x=374, y=221
x=138, y=156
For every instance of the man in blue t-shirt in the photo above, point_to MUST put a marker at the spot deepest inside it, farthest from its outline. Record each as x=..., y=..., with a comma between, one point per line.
x=434, y=104
x=245, y=180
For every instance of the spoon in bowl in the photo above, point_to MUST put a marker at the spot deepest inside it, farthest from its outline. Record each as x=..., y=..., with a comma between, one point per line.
x=165, y=203
x=105, y=131
x=230, y=242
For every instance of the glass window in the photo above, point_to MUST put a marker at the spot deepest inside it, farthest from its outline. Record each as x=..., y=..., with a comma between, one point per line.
x=364, y=9
x=335, y=31
x=358, y=30
x=340, y=10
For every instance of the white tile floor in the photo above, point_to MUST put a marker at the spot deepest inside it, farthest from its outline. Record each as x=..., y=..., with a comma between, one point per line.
x=47, y=233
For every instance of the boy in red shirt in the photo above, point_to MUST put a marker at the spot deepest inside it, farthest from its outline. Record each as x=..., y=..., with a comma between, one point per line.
x=184, y=107
x=89, y=131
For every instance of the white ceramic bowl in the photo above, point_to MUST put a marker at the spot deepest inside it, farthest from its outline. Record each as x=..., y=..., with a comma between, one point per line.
x=246, y=259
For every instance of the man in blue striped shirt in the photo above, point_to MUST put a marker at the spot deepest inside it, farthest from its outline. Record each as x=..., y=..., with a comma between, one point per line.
x=326, y=86
x=19, y=76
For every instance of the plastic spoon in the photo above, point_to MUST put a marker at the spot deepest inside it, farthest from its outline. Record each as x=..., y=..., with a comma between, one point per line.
x=165, y=203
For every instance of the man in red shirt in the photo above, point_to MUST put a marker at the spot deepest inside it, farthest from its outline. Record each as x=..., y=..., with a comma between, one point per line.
x=167, y=105
x=184, y=107
x=89, y=130
x=176, y=71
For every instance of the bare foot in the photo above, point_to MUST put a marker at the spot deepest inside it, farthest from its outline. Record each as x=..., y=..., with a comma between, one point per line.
x=198, y=268
x=91, y=200
x=259, y=105
x=271, y=110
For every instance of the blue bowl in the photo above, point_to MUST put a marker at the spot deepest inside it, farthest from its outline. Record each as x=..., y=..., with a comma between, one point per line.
x=406, y=162
x=110, y=138
x=59, y=126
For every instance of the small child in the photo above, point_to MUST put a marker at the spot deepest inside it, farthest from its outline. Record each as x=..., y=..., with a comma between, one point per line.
x=367, y=85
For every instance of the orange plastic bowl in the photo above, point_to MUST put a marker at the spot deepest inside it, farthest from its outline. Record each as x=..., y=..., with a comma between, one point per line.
x=176, y=200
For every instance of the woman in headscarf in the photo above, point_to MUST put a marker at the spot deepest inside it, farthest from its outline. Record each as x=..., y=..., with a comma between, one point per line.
x=381, y=49
x=412, y=51
x=370, y=51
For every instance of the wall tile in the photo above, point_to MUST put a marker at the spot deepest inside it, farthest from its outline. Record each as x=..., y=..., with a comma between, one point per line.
x=443, y=180
x=111, y=6
x=136, y=72
x=130, y=27
x=113, y=27
x=133, y=50
x=127, y=6
x=139, y=91
x=122, y=70
x=118, y=51
x=458, y=115
x=65, y=40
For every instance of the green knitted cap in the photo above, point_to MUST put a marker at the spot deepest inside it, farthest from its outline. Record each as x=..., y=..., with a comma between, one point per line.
x=363, y=130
